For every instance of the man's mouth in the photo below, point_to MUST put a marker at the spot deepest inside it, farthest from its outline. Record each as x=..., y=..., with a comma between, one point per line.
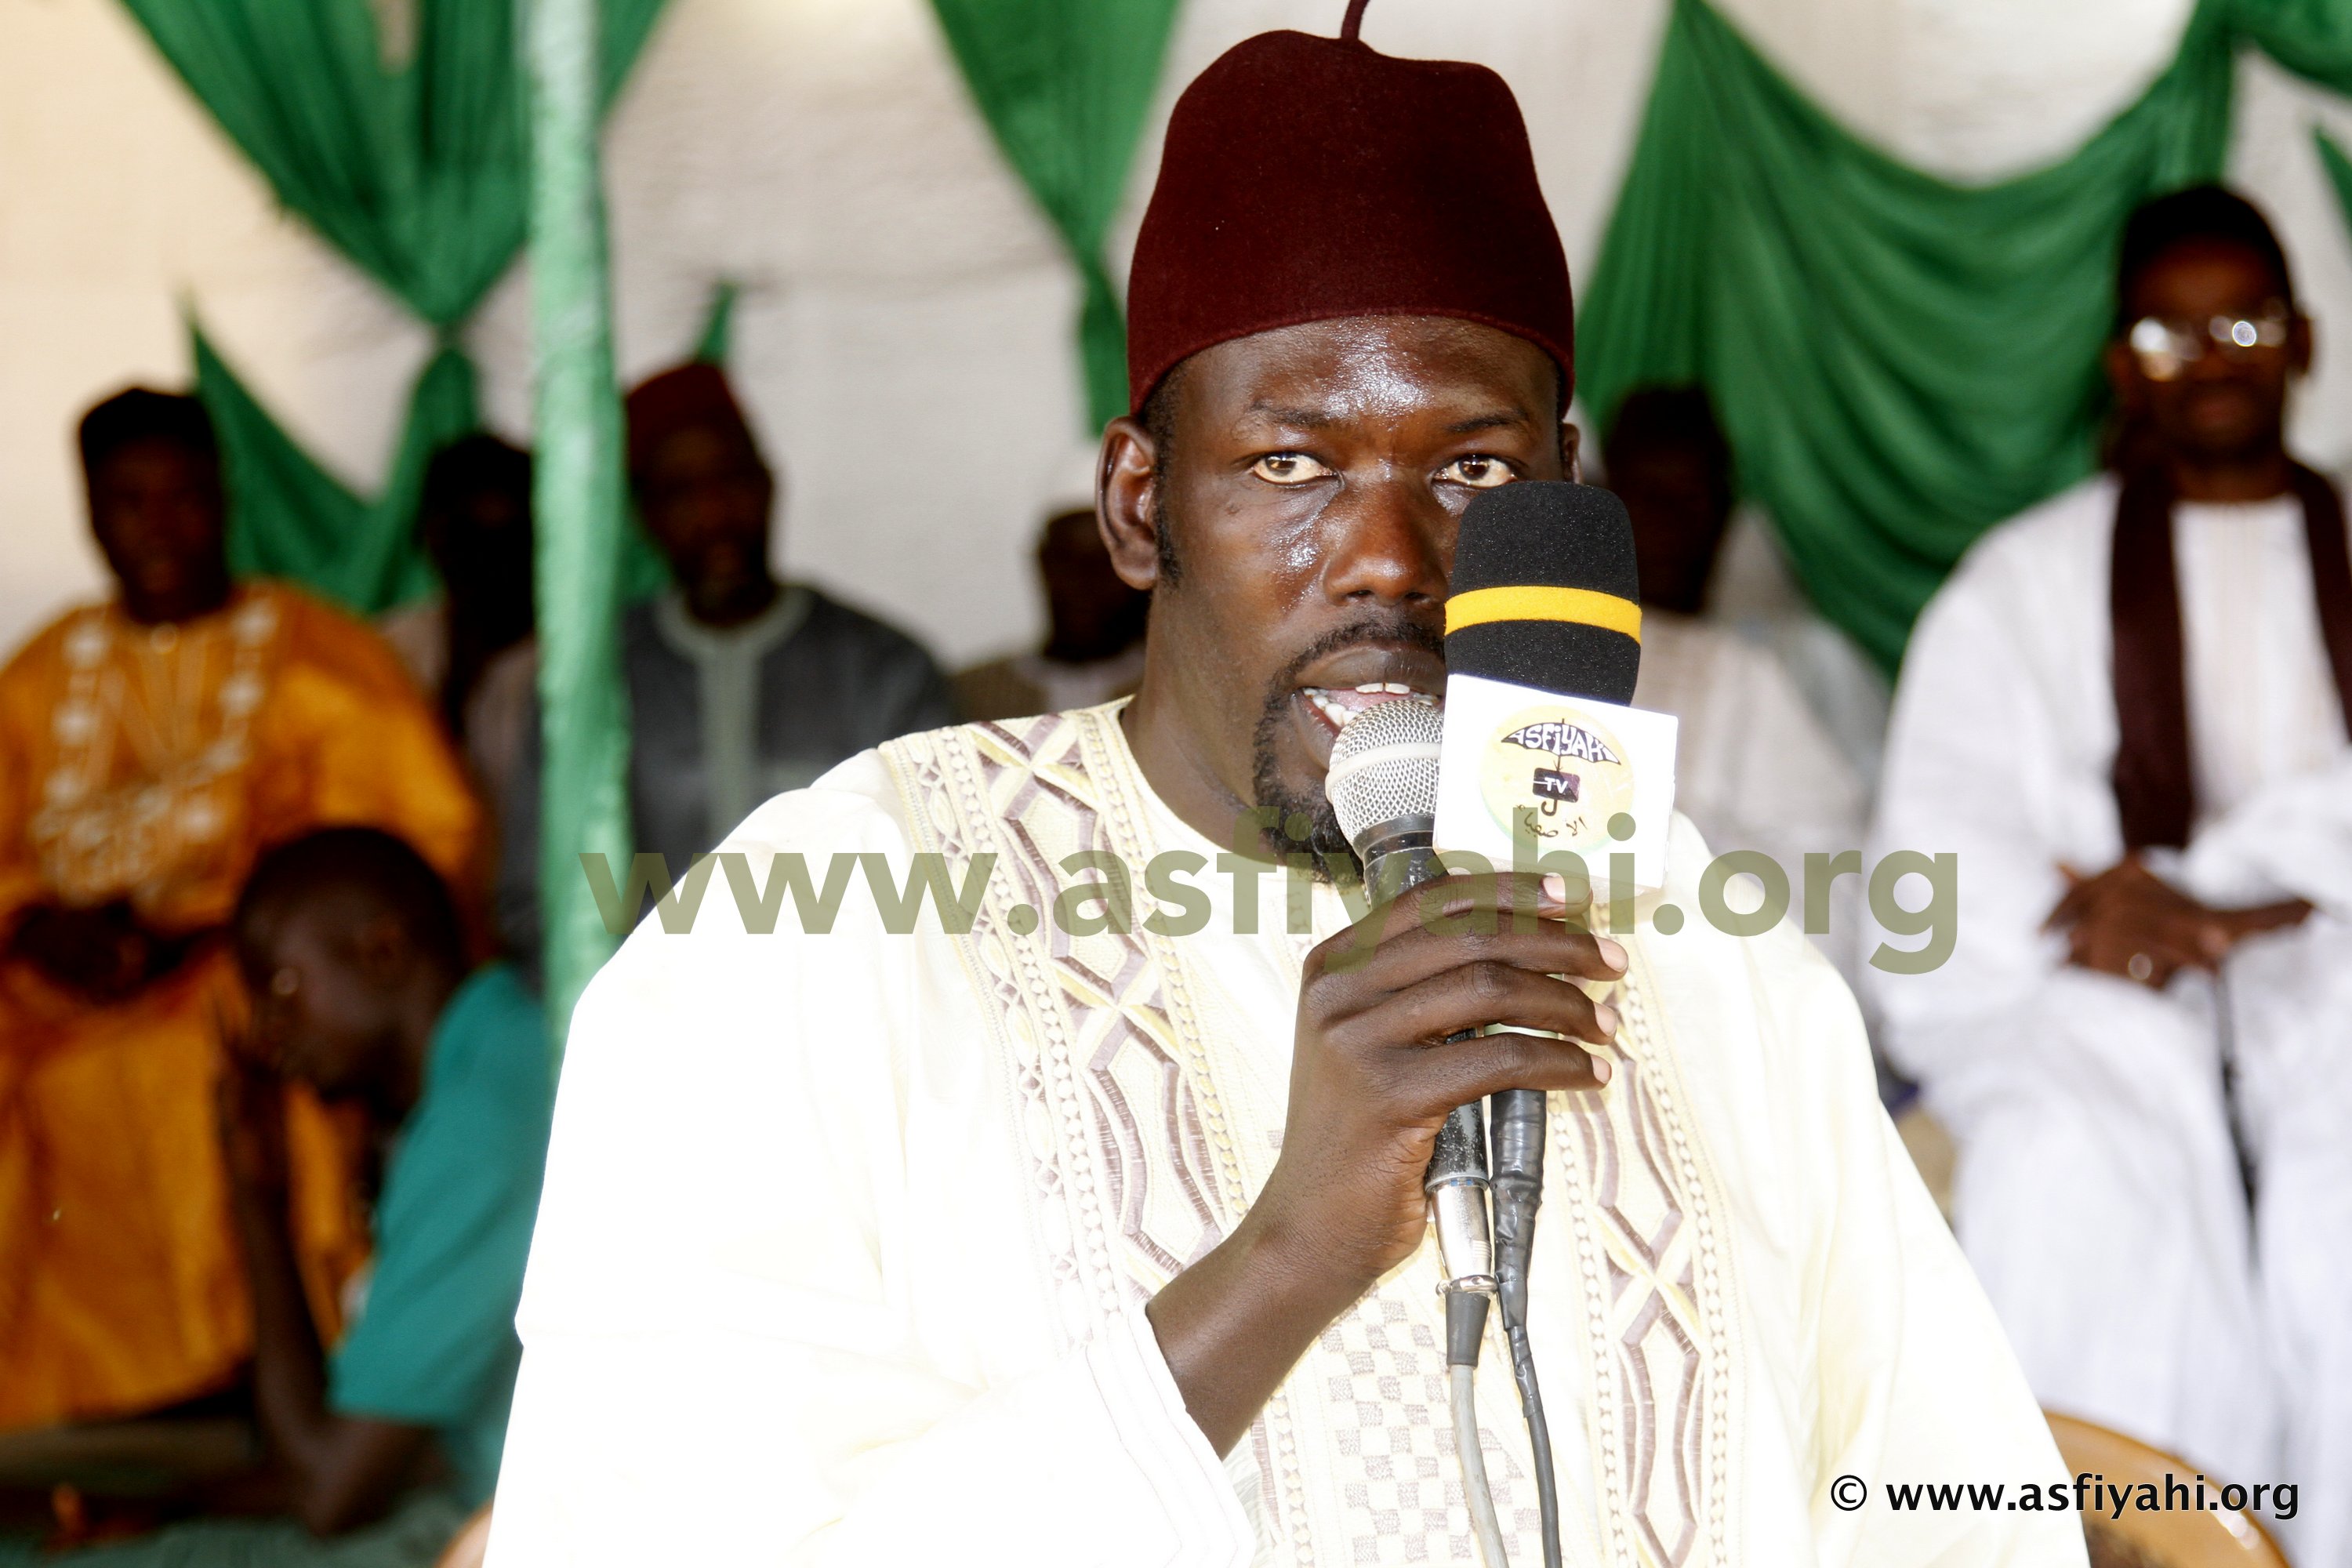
x=1322, y=712
x=1332, y=692
x=1336, y=705
x=2222, y=405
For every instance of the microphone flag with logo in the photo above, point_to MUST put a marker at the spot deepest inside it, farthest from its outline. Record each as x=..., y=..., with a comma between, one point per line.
x=1543, y=644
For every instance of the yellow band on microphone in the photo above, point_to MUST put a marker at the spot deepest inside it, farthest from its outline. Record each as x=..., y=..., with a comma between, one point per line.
x=1583, y=607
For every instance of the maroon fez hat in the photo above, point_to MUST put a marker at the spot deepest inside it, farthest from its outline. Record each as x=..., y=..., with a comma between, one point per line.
x=1307, y=178
x=693, y=396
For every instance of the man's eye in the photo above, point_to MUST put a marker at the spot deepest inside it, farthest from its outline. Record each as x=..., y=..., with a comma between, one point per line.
x=1478, y=473
x=1289, y=468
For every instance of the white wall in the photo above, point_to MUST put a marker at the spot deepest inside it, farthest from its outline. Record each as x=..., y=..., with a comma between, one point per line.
x=904, y=336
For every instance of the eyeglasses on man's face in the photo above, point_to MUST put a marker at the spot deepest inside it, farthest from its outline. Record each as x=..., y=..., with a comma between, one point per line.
x=2166, y=346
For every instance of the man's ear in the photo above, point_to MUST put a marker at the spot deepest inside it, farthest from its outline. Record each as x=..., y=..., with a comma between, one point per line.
x=2299, y=346
x=1126, y=492
x=1571, y=451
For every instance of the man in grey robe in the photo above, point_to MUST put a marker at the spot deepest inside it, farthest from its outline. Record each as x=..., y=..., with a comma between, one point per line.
x=741, y=685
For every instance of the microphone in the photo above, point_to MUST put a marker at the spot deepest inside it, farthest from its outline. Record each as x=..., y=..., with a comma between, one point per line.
x=1543, y=625
x=1543, y=644
x=1546, y=592
x=1544, y=604
x=1382, y=786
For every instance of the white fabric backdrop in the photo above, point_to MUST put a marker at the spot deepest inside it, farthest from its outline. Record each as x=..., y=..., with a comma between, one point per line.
x=904, y=336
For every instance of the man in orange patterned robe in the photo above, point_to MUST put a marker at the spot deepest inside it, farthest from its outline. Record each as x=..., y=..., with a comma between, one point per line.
x=150, y=747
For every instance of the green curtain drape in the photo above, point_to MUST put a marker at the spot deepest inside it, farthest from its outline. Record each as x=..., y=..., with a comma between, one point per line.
x=307, y=525
x=2332, y=158
x=1899, y=362
x=1064, y=86
x=713, y=344
x=413, y=169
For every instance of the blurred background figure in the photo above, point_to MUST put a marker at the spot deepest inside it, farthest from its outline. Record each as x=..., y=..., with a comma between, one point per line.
x=1094, y=639
x=740, y=687
x=2127, y=714
x=471, y=646
x=150, y=747
x=1754, y=767
x=376, y=1440
x=2144, y=1016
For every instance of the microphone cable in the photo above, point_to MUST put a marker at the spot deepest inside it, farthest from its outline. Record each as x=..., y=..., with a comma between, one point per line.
x=1466, y=1328
x=1459, y=1191
x=1382, y=783
x=1476, y=1492
x=1518, y=1130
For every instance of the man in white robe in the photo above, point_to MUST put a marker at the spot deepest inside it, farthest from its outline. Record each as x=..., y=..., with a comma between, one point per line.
x=1093, y=632
x=1755, y=768
x=1091, y=1239
x=2077, y=1044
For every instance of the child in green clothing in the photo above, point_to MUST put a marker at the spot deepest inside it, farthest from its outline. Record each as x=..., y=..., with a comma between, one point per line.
x=356, y=961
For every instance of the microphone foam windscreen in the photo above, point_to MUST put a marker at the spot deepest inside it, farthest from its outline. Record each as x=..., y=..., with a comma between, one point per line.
x=1384, y=765
x=1544, y=592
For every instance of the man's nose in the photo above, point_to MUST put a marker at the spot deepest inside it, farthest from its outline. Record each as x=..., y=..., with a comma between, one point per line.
x=703, y=514
x=1391, y=542
x=2217, y=364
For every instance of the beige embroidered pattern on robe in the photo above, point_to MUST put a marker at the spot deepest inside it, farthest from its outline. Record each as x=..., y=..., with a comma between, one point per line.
x=1136, y=1173
x=1640, y=1205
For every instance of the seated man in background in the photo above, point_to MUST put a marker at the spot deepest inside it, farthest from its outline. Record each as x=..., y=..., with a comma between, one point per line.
x=470, y=646
x=1754, y=768
x=2125, y=714
x=352, y=947
x=1093, y=640
x=150, y=746
x=740, y=687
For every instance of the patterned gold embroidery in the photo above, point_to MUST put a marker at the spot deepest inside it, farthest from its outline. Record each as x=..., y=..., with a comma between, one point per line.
x=152, y=730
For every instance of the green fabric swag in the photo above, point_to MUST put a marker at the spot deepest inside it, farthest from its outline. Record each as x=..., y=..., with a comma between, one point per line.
x=1064, y=86
x=1899, y=362
x=316, y=532
x=713, y=344
x=416, y=172
x=2339, y=170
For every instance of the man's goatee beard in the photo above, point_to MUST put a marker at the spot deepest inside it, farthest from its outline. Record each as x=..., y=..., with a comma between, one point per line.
x=1281, y=806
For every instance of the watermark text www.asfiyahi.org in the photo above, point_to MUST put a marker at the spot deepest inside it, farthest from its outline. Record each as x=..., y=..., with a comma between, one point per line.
x=1101, y=894
x=2090, y=1493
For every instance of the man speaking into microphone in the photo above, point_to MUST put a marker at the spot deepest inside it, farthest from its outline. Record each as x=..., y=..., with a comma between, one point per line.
x=1083, y=1223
